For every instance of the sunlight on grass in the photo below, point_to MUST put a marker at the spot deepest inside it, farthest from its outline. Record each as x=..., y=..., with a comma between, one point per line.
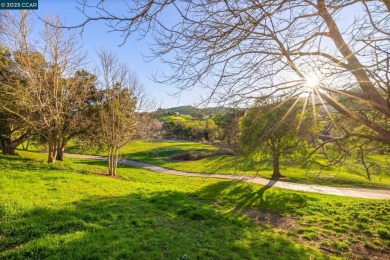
x=159, y=152
x=67, y=210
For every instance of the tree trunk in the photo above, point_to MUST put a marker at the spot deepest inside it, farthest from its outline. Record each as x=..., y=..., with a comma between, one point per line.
x=387, y=3
x=116, y=157
x=9, y=149
x=9, y=146
x=60, y=153
x=27, y=145
x=52, y=155
x=113, y=156
x=110, y=162
x=61, y=149
x=276, y=174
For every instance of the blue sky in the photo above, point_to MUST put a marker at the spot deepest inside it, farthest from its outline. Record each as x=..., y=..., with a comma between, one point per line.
x=96, y=36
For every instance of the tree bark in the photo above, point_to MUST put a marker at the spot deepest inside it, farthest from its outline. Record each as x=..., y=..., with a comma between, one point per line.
x=52, y=155
x=276, y=174
x=354, y=65
x=9, y=149
x=27, y=145
x=113, y=156
x=116, y=157
x=61, y=149
x=387, y=3
x=110, y=162
x=60, y=153
x=8, y=146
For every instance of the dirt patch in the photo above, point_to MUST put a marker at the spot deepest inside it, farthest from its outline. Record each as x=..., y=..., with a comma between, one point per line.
x=355, y=250
x=267, y=218
x=361, y=252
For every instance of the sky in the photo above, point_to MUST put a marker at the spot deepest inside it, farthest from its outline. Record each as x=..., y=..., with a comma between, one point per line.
x=133, y=52
x=96, y=36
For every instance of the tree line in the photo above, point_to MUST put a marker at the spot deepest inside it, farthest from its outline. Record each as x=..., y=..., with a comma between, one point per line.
x=262, y=55
x=47, y=93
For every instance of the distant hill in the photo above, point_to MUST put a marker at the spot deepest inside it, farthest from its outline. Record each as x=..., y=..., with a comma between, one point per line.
x=183, y=110
x=193, y=111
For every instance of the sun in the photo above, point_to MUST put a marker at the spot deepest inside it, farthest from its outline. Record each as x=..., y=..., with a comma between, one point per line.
x=310, y=85
x=312, y=82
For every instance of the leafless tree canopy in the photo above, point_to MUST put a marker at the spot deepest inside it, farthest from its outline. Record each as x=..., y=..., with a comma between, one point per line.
x=242, y=51
x=117, y=117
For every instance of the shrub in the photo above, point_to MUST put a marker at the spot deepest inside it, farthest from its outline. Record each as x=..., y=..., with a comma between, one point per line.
x=194, y=156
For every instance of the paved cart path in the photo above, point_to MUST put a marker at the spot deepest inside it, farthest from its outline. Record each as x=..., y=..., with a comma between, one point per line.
x=349, y=192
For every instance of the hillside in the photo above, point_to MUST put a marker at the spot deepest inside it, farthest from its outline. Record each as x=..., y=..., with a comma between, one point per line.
x=193, y=111
x=71, y=211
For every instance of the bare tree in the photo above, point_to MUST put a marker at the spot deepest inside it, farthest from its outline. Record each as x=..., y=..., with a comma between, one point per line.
x=117, y=117
x=243, y=51
x=49, y=94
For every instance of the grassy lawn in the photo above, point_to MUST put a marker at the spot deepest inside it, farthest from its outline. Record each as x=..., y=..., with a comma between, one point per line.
x=158, y=153
x=69, y=210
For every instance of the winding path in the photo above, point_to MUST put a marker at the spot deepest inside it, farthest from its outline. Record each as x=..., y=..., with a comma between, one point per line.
x=348, y=192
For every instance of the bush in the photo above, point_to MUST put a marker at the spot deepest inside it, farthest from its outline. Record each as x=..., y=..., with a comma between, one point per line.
x=194, y=155
x=190, y=156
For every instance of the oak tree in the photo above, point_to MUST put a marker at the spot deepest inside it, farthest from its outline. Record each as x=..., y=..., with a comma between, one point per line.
x=271, y=130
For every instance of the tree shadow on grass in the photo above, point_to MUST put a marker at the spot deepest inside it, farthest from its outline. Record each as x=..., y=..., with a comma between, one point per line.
x=242, y=195
x=90, y=162
x=104, y=164
x=26, y=164
x=153, y=153
x=168, y=225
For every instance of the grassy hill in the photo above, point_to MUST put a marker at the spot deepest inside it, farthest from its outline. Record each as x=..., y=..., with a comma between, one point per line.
x=193, y=111
x=186, y=110
x=70, y=210
x=351, y=174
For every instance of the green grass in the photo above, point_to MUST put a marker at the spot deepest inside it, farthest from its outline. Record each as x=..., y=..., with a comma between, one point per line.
x=158, y=153
x=69, y=211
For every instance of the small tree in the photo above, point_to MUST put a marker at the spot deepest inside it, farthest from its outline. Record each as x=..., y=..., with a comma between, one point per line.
x=229, y=123
x=269, y=130
x=117, y=117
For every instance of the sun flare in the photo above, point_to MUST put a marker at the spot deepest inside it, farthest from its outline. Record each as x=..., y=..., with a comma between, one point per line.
x=312, y=81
